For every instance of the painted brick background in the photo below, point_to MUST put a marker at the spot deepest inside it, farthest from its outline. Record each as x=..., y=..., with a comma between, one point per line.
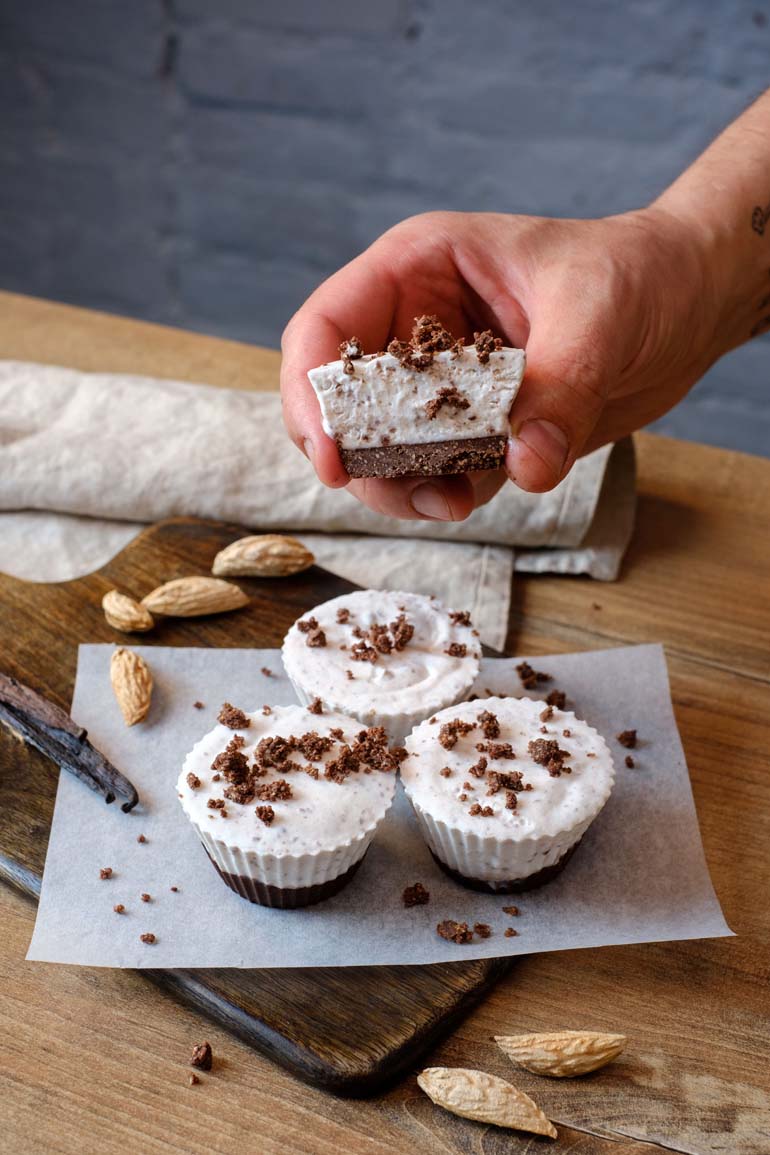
x=207, y=162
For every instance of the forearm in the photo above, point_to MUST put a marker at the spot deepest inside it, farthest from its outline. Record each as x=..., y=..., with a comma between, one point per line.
x=724, y=200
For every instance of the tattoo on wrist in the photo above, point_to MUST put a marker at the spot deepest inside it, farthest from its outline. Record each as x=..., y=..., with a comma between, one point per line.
x=759, y=218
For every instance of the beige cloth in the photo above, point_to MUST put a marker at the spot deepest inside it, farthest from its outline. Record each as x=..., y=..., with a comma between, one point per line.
x=88, y=458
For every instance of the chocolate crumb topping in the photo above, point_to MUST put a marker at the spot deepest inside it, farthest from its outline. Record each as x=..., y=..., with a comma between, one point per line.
x=316, y=706
x=452, y=931
x=198, y=705
x=233, y=718
x=273, y=751
x=267, y=673
x=447, y=395
x=306, y=625
x=457, y=650
x=566, y=733
x=463, y=797
x=451, y=731
x=479, y=769
x=105, y=872
x=445, y=772
x=498, y=750
x=313, y=746
x=265, y=814
x=337, y=733
x=233, y=763
x=482, y=929
x=627, y=738
x=149, y=939
x=193, y=781
x=266, y=711
x=479, y=811
x=490, y=726
x=460, y=617
x=430, y=336
x=343, y=615
x=350, y=351
x=484, y=344
x=529, y=677
x=216, y=777
x=629, y=762
x=316, y=640
x=402, y=351
x=201, y=1057
x=548, y=753
x=510, y=932
x=216, y=803
x=415, y=895
x=556, y=698
x=349, y=675
x=119, y=908
x=546, y=714
x=277, y=791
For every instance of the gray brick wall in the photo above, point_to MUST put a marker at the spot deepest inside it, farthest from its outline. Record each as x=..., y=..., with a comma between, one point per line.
x=207, y=162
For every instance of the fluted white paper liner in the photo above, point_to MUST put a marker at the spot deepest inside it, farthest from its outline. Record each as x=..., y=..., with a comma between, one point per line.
x=639, y=874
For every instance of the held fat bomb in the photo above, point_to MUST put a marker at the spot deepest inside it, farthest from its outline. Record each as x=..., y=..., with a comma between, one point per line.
x=429, y=406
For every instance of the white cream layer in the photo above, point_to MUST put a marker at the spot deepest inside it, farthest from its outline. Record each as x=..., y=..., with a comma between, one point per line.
x=552, y=807
x=321, y=817
x=383, y=402
x=400, y=687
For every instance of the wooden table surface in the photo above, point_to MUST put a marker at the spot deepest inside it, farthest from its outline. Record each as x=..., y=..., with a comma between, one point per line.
x=94, y=1061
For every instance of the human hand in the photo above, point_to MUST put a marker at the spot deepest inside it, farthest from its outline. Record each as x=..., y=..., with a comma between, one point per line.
x=615, y=315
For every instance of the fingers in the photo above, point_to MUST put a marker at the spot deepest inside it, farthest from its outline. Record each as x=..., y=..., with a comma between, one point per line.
x=569, y=370
x=332, y=314
x=417, y=498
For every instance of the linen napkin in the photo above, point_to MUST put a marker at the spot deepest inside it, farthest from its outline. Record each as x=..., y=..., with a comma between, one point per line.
x=87, y=459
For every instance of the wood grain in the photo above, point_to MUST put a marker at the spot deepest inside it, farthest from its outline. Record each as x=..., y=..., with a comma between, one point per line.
x=94, y=1060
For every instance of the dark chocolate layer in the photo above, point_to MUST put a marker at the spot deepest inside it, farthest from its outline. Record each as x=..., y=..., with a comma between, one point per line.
x=512, y=885
x=427, y=459
x=287, y=898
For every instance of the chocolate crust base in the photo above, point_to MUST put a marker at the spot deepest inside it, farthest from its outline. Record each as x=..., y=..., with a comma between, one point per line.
x=429, y=459
x=513, y=885
x=286, y=898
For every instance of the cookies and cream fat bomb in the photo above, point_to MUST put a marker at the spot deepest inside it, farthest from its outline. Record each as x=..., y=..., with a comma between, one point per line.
x=505, y=788
x=429, y=406
x=287, y=800
x=384, y=657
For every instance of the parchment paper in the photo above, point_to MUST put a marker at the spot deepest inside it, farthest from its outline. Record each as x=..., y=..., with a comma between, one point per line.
x=639, y=875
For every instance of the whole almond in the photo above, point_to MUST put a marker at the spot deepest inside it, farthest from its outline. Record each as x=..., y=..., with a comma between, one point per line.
x=264, y=555
x=562, y=1054
x=190, y=597
x=132, y=685
x=123, y=613
x=477, y=1095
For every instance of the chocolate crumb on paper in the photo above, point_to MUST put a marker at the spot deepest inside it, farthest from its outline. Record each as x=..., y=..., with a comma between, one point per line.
x=193, y=1079
x=174, y=889
x=267, y=672
x=146, y=897
x=510, y=932
x=141, y=838
x=201, y=1056
x=147, y=938
x=119, y=908
x=556, y=698
x=482, y=929
x=529, y=677
x=453, y=931
x=198, y=705
x=233, y=718
x=627, y=738
x=415, y=895
x=512, y=910
x=630, y=762
x=105, y=872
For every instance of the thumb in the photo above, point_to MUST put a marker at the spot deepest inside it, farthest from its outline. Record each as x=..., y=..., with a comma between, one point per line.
x=560, y=401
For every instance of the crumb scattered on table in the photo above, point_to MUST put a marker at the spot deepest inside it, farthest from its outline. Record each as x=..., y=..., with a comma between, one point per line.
x=415, y=895
x=201, y=1056
x=105, y=872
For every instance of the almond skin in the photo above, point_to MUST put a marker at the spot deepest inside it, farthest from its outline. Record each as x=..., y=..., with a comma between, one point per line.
x=562, y=1054
x=477, y=1095
x=191, y=597
x=132, y=685
x=264, y=555
x=125, y=614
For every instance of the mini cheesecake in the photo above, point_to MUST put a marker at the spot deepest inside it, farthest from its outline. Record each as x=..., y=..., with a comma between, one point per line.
x=286, y=801
x=505, y=788
x=426, y=407
x=384, y=657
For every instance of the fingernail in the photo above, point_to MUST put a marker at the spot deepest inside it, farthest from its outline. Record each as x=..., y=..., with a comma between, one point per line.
x=309, y=449
x=429, y=501
x=547, y=440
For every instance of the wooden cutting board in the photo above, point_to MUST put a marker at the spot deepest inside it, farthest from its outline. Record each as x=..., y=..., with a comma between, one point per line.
x=349, y=1030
